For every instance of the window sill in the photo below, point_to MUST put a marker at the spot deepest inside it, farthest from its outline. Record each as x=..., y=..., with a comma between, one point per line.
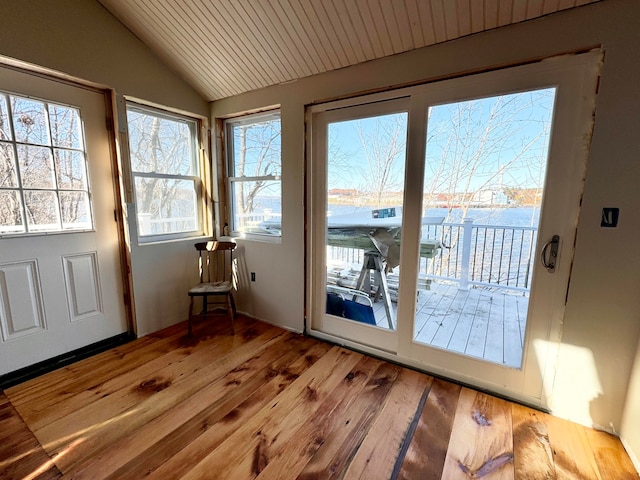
x=254, y=237
x=160, y=241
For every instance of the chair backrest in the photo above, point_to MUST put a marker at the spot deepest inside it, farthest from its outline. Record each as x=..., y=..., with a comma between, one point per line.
x=216, y=261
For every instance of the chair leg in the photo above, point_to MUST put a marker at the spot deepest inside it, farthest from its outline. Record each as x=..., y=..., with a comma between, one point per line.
x=190, y=315
x=231, y=306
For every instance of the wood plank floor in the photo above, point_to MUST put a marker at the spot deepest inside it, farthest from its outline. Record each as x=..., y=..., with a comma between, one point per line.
x=269, y=404
x=480, y=322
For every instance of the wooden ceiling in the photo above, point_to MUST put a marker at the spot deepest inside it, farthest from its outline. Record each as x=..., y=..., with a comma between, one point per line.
x=227, y=47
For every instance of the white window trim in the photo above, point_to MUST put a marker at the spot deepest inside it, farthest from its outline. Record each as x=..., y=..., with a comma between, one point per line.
x=199, y=179
x=246, y=120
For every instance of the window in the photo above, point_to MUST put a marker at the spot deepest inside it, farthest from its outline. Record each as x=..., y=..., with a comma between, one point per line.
x=255, y=167
x=166, y=174
x=43, y=171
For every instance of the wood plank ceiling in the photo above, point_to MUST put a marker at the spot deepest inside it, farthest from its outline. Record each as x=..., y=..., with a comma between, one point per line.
x=227, y=47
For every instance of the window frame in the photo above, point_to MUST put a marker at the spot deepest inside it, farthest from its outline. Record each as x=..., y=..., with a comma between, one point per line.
x=199, y=180
x=232, y=179
x=56, y=188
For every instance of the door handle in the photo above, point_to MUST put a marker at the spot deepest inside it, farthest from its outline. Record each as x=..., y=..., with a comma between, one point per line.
x=549, y=260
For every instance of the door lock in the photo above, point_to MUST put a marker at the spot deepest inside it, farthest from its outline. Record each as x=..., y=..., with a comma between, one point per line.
x=549, y=260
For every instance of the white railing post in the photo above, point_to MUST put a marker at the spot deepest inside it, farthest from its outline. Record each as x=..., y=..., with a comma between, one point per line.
x=466, y=254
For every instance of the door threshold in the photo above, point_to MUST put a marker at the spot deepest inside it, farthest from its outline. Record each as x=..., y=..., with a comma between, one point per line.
x=32, y=371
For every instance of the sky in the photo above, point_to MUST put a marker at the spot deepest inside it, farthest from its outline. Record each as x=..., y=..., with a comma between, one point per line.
x=471, y=145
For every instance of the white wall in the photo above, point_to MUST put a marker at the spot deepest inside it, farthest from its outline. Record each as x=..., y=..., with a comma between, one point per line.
x=82, y=39
x=602, y=315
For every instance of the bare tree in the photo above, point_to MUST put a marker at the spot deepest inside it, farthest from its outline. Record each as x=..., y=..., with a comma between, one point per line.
x=383, y=145
x=162, y=149
x=470, y=150
x=257, y=154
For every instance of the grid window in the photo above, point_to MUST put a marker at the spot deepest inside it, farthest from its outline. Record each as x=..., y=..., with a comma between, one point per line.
x=166, y=175
x=255, y=167
x=43, y=167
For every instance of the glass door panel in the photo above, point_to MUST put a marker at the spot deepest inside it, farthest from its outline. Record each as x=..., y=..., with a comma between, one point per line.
x=485, y=166
x=365, y=185
x=357, y=179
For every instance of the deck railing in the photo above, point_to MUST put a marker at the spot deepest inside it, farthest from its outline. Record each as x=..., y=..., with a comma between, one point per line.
x=487, y=255
x=496, y=256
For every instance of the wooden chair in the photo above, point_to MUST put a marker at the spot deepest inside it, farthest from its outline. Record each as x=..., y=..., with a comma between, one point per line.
x=216, y=278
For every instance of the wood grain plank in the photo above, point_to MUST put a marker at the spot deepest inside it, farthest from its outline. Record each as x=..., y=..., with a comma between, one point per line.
x=378, y=453
x=21, y=456
x=464, y=17
x=237, y=412
x=30, y=390
x=275, y=405
x=572, y=454
x=92, y=370
x=481, y=442
x=247, y=445
x=532, y=455
x=428, y=449
x=313, y=434
x=153, y=443
x=338, y=52
x=111, y=418
x=93, y=384
x=611, y=457
x=490, y=14
x=335, y=454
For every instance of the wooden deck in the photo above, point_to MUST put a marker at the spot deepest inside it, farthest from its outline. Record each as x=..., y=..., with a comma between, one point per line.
x=480, y=322
x=269, y=404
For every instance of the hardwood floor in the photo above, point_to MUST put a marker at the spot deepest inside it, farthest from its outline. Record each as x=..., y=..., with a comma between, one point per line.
x=266, y=403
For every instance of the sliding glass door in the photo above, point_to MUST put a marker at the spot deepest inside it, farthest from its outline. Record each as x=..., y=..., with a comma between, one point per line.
x=443, y=217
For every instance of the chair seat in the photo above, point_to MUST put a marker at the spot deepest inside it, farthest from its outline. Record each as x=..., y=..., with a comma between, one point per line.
x=211, y=288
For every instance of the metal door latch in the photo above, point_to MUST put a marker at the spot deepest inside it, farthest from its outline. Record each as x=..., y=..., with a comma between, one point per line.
x=549, y=260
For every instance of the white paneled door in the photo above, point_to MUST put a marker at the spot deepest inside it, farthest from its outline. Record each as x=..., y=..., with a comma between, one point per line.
x=60, y=279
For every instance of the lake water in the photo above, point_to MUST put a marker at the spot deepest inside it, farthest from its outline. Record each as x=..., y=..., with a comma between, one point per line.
x=506, y=216
x=510, y=216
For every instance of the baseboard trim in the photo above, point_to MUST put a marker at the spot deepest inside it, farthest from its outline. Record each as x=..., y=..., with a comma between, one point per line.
x=32, y=371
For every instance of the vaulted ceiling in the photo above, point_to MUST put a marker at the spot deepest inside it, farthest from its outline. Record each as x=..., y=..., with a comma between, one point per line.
x=227, y=47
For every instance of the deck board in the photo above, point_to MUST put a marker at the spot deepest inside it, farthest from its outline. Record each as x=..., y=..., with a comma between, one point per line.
x=482, y=323
x=266, y=403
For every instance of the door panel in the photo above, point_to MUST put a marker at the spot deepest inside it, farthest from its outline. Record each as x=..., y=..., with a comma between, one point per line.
x=60, y=291
x=21, y=300
x=364, y=152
